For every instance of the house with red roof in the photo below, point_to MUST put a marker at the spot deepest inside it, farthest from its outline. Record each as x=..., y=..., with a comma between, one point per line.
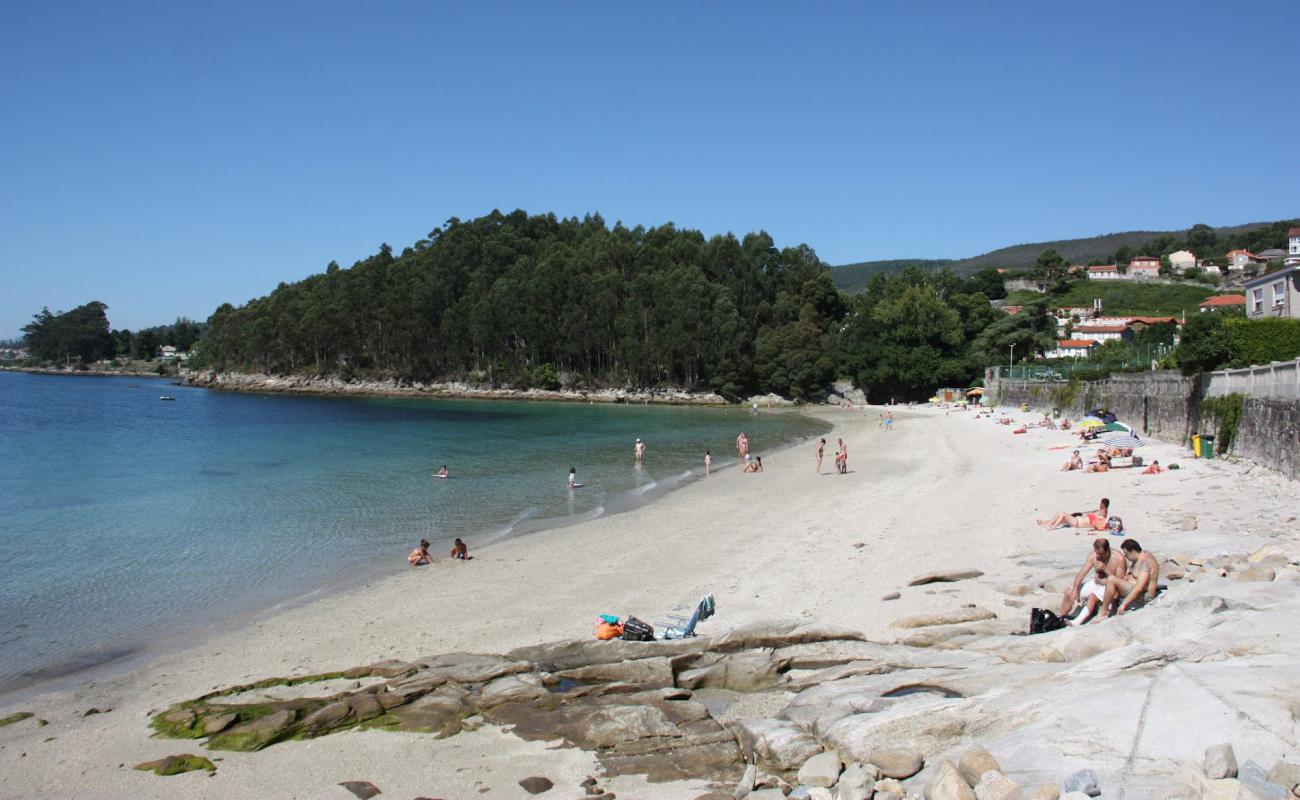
x=1107, y=272
x=1220, y=302
x=1073, y=348
x=1103, y=333
x=1293, y=246
x=1240, y=259
x=1144, y=267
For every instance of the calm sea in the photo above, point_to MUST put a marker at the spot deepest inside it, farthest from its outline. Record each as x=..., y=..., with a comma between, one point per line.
x=125, y=519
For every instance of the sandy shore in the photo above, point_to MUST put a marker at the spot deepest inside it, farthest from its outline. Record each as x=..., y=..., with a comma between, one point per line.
x=938, y=492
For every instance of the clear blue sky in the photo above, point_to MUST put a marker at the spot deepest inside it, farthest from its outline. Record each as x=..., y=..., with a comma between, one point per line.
x=166, y=157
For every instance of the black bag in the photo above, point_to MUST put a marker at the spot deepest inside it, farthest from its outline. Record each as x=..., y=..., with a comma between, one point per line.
x=1043, y=621
x=1137, y=461
x=634, y=630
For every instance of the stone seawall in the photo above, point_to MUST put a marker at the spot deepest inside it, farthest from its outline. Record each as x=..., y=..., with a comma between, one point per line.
x=1163, y=404
x=1167, y=405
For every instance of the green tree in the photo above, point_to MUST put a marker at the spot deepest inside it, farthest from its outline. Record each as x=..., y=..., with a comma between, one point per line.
x=1206, y=344
x=1051, y=265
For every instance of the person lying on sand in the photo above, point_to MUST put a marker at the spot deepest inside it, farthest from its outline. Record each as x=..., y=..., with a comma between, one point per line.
x=1075, y=462
x=1118, y=452
x=1105, y=564
x=420, y=555
x=1139, y=586
x=459, y=550
x=1095, y=519
x=1103, y=463
x=1154, y=469
x=756, y=465
x=1065, y=424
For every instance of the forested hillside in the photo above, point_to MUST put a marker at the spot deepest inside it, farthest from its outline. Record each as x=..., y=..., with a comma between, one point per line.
x=536, y=300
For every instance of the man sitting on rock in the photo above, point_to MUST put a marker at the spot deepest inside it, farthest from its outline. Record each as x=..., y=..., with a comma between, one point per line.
x=1090, y=595
x=1139, y=586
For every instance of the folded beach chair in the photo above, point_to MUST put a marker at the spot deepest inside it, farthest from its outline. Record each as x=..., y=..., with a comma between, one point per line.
x=685, y=628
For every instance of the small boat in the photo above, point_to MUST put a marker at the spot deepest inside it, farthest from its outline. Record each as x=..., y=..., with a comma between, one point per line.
x=166, y=397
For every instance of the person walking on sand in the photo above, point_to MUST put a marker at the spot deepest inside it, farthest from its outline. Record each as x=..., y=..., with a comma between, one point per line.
x=821, y=449
x=708, y=461
x=889, y=421
x=742, y=445
x=842, y=457
x=640, y=450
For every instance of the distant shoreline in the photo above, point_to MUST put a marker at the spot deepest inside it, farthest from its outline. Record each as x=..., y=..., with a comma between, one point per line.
x=88, y=373
x=454, y=390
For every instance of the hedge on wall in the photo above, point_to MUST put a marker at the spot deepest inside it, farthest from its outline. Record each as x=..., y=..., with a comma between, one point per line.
x=1259, y=341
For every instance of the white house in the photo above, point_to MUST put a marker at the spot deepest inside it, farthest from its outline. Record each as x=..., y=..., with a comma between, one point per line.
x=1240, y=259
x=1102, y=333
x=1108, y=272
x=1144, y=267
x=1072, y=348
x=1182, y=260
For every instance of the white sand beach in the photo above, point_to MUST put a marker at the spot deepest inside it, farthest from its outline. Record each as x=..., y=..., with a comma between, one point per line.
x=939, y=492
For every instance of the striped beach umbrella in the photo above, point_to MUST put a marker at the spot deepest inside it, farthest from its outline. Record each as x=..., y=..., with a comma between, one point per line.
x=1124, y=440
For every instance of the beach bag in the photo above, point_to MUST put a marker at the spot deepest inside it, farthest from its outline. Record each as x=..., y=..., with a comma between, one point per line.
x=1137, y=461
x=634, y=630
x=605, y=631
x=1043, y=621
x=1115, y=524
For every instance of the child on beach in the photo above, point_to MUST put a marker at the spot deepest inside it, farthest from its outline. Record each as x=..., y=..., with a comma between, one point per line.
x=708, y=461
x=459, y=550
x=639, y=450
x=756, y=465
x=821, y=448
x=573, y=477
x=419, y=557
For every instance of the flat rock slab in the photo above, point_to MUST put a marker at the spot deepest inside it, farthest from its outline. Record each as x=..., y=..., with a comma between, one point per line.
x=362, y=789
x=176, y=765
x=956, y=617
x=946, y=577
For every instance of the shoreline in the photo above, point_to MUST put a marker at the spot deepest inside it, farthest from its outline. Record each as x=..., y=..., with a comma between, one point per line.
x=128, y=653
x=780, y=545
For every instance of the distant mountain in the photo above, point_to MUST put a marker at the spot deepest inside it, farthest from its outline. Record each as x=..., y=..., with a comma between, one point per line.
x=854, y=277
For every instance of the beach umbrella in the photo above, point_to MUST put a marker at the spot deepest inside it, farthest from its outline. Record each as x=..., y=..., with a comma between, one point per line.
x=1126, y=440
x=978, y=390
x=1090, y=423
x=1116, y=426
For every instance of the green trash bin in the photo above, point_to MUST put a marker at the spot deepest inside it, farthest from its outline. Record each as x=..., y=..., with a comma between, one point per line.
x=1207, y=447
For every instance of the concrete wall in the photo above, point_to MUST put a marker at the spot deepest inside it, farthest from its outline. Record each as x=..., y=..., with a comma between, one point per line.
x=1270, y=434
x=1279, y=379
x=1163, y=404
x=1166, y=405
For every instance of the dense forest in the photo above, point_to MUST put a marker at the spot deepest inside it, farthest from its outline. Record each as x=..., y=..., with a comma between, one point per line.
x=82, y=335
x=541, y=301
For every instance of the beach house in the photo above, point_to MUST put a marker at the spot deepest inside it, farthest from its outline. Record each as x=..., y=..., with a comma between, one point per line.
x=1223, y=302
x=1182, y=260
x=1144, y=267
x=1240, y=259
x=1103, y=332
x=1107, y=272
x=1276, y=294
x=1293, y=246
x=1073, y=348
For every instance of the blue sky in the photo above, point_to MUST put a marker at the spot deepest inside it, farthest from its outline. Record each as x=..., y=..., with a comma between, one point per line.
x=167, y=157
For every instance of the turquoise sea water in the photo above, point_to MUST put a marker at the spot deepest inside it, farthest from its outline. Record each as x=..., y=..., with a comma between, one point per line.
x=125, y=519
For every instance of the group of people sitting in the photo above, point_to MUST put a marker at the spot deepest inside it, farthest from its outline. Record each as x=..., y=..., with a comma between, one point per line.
x=1120, y=582
x=1105, y=455
x=420, y=557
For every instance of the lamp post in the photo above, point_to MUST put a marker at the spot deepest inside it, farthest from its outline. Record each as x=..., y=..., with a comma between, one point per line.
x=1011, y=360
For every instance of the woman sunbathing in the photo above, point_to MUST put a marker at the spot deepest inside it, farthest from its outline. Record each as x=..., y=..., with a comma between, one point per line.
x=1154, y=469
x=1095, y=520
x=1103, y=463
x=1075, y=462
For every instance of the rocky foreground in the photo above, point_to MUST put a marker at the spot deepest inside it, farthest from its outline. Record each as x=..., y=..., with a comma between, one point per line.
x=961, y=707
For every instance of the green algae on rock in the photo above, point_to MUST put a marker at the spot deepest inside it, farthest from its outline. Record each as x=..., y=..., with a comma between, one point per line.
x=176, y=765
x=16, y=717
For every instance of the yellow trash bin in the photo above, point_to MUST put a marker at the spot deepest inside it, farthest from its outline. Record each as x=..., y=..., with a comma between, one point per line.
x=1196, y=445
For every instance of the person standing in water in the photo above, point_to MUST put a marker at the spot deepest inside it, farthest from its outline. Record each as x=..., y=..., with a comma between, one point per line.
x=640, y=450
x=742, y=445
x=573, y=477
x=708, y=461
x=821, y=450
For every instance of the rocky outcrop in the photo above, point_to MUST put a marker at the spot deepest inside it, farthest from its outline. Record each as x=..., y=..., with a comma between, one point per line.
x=392, y=387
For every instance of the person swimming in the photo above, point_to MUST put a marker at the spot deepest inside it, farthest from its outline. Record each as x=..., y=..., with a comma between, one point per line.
x=419, y=557
x=459, y=550
x=442, y=473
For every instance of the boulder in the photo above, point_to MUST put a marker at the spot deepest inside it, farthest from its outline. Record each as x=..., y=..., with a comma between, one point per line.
x=1220, y=762
x=1227, y=789
x=1259, y=574
x=948, y=784
x=747, y=671
x=1085, y=780
x=818, y=793
x=256, y=734
x=608, y=726
x=890, y=786
x=975, y=762
x=955, y=617
x=772, y=793
x=993, y=785
x=822, y=770
x=900, y=764
x=176, y=765
x=857, y=782
x=362, y=790
x=470, y=667
x=520, y=688
x=746, y=784
x=536, y=784
x=945, y=577
x=1047, y=791
x=891, y=596
x=1270, y=555
x=1285, y=773
x=779, y=744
